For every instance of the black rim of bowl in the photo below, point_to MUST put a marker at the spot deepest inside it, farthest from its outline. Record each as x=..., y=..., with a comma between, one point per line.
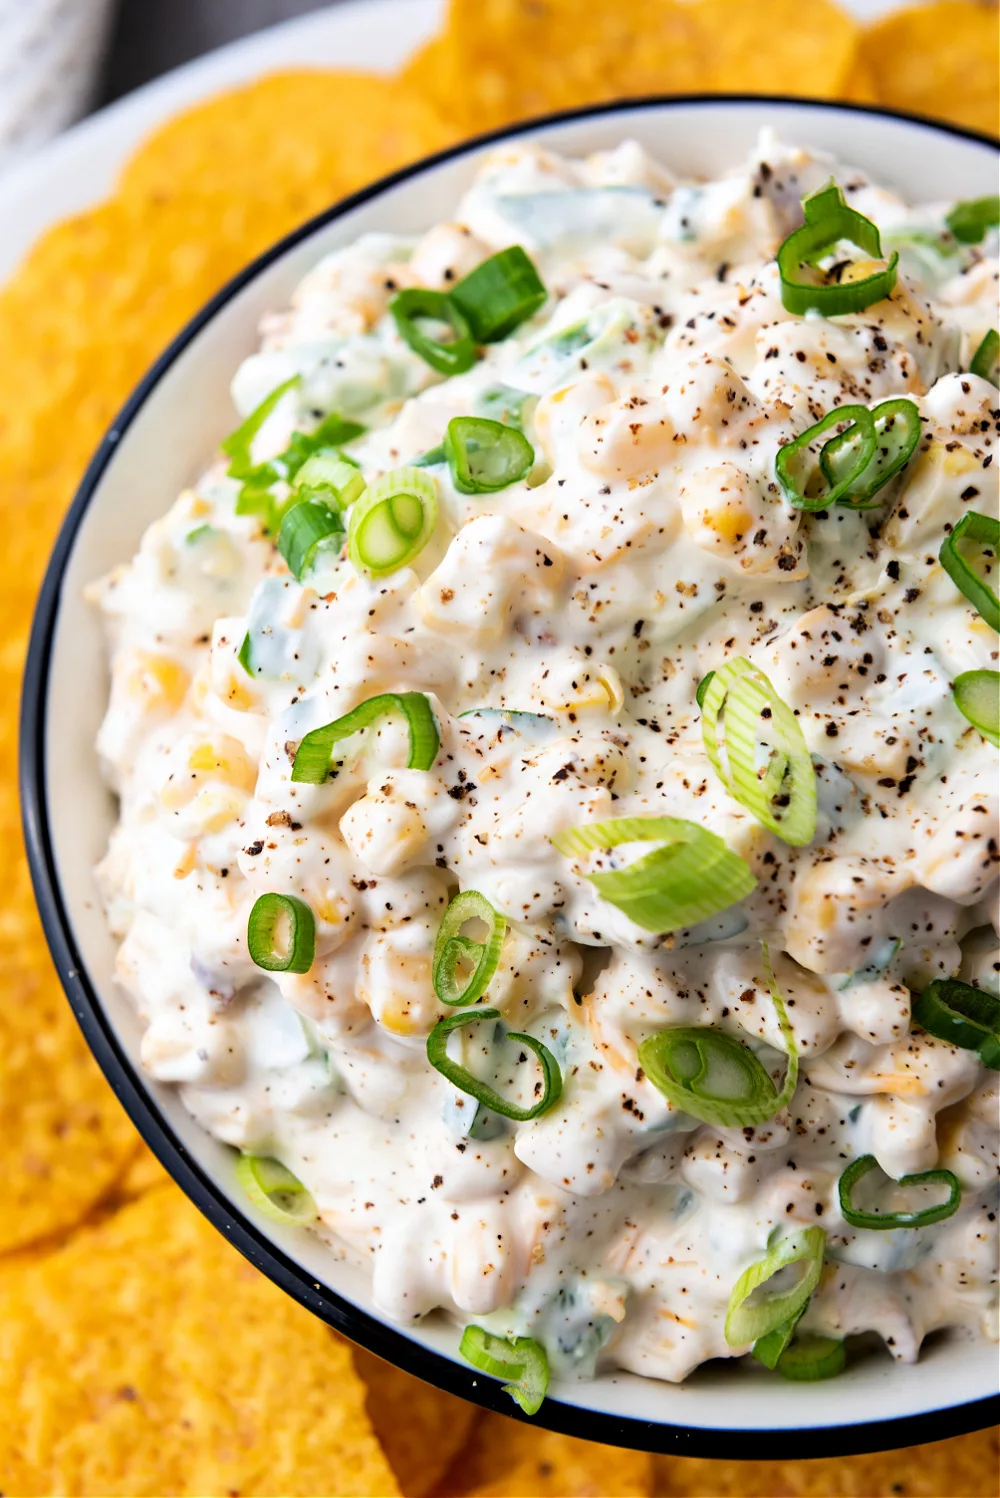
x=377, y=1336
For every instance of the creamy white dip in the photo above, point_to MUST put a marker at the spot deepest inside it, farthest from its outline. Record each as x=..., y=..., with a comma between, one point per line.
x=649, y=544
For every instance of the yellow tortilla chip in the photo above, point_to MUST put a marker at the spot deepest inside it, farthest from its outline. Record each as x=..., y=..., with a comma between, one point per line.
x=63, y=1135
x=965, y=1467
x=941, y=59
x=778, y=47
x=147, y=1357
x=297, y=139
x=504, y=60
x=509, y=1459
x=420, y=1428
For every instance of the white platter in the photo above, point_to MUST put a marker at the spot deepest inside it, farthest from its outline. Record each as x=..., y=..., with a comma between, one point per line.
x=723, y=1410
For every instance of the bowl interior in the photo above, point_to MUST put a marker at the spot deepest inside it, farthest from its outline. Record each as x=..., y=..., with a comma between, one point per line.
x=158, y=446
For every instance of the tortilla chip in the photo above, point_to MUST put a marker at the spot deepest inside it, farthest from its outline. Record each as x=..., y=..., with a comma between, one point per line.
x=142, y=1173
x=965, y=1467
x=147, y=1357
x=297, y=139
x=421, y=1429
x=941, y=59
x=509, y=1459
x=779, y=47
x=504, y=60
x=63, y=1135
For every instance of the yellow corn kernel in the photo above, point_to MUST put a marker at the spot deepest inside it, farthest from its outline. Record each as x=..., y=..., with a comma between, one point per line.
x=193, y=506
x=158, y=681
x=213, y=808
x=328, y=910
x=225, y=759
x=861, y=269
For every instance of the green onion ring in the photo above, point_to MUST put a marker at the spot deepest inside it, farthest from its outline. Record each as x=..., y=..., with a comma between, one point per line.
x=264, y=1179
x=768, y=1349
x=486, y=456
x=897, y=432
x=985, y=530
x=458, y=1076
x=691, y=877
x=684, y=1062
x=521, y=1360
x=782, y=797
x=499, y=294
x=748, y=1323
x=392, y=521
x=969, y=220
x=828, y=220
x=329, y=476
x=986, y=359
x=811, y=1358
x=450, y=946
x=702, y=688
x=243, y=656
x=883, y=1221
x=962, y=1015
x=313, y=758
x=977, y=697
x=307, y=526
x=262, y=934
x=860, y=444
x=238, y=444
x=416, y=303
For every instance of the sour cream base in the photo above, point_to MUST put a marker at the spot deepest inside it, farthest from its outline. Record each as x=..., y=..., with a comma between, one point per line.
x=649, y=544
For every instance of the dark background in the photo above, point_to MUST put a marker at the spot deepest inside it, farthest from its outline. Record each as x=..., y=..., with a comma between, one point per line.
x=151, y=36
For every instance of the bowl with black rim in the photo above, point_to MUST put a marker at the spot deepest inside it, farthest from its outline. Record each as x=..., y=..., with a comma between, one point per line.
x=162, y=438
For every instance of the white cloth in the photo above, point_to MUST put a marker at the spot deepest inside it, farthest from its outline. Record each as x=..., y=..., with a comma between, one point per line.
x=50, y=51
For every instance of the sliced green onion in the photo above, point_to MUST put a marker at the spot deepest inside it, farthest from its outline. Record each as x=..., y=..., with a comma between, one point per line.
x=393, y=521
x=977, y=697
x=238, y=444
x=800, y=471
x=452, y=948
x=747, y=1319
x=329, y=476
x=274, y=1190
x=986, y=531
x=431, y=458
x=313, y=763
x=715, y=1077
x=962, y=1015
x=244, y=656
x=485, y=456
x=499, y=294
x=415, y=305
x=458, y=1076
x=828, y=221
x=768, y=1349
x=986, y=359
x=291, y=951
x=970, y=219
x=781, y=793
x=691, y=877
x=897, y=432
x=306, y=527
x=811, y=1358
x=702, y=688
x=519, y=1360
x=506, y=404
x=859, y=1168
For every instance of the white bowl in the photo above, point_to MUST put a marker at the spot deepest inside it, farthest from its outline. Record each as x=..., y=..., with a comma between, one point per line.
x=159, y=443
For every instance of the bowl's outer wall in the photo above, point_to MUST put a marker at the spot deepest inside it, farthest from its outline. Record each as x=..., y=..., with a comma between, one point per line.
x=159, y=443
